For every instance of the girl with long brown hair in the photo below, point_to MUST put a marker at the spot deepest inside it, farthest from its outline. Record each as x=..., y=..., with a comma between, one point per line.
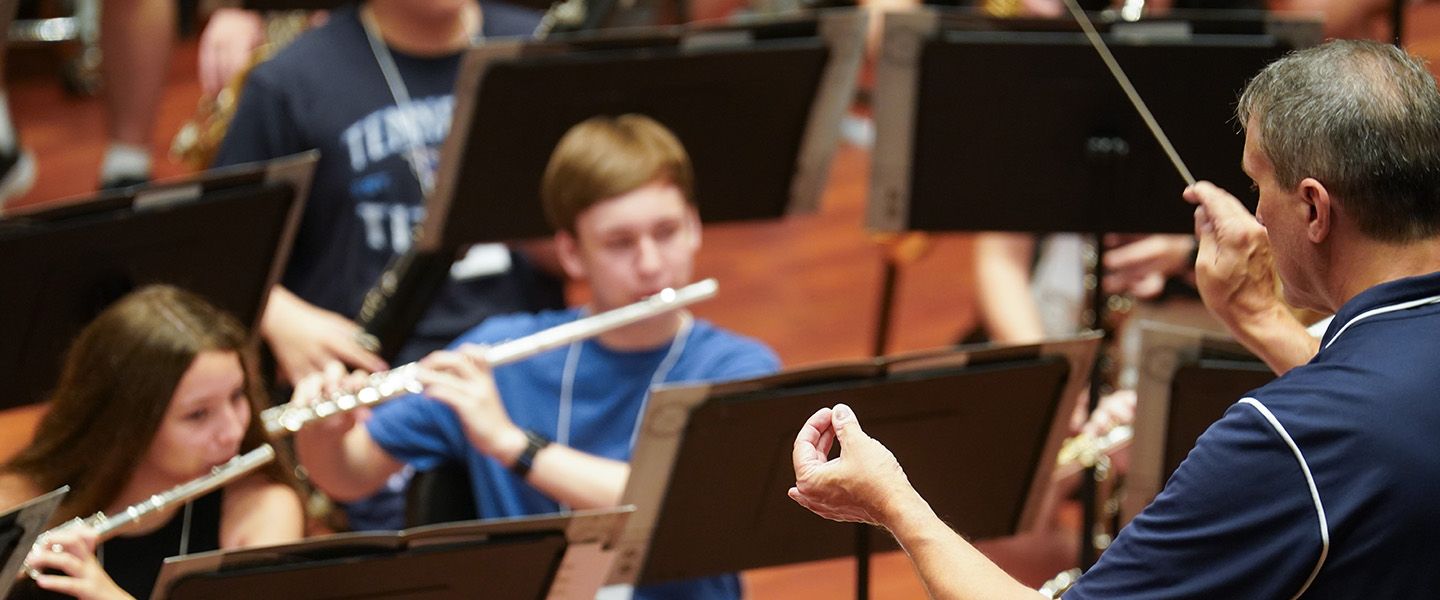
x=155, y=392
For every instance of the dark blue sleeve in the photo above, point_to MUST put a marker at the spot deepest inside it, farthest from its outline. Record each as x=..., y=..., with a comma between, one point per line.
x=504, y=20
x=1236, y=520
x=264, y=125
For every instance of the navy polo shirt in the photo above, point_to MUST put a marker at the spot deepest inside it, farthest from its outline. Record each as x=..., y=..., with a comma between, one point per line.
x=1322, y=483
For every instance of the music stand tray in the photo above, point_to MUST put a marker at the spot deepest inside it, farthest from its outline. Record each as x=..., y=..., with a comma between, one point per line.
x=224, y=235
x=1188, y=378
x=551, y=557
x=996, y=124
x=977, y=431
x=19, y=528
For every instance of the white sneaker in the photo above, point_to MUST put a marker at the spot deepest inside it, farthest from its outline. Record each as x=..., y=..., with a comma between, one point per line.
x=17, y=175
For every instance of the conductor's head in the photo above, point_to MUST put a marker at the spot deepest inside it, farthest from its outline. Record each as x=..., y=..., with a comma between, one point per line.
x=1343, y=144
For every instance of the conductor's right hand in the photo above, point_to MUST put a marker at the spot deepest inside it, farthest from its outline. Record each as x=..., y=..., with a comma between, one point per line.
x=304, y=338
x=1234, y=269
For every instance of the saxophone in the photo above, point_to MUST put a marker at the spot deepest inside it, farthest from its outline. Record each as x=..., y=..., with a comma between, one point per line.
x=198, y=139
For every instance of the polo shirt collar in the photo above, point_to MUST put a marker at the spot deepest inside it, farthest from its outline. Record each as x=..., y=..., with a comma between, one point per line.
x=1398, y=295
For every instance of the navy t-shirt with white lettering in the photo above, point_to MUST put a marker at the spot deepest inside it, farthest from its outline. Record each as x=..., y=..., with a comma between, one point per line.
x=326, y=91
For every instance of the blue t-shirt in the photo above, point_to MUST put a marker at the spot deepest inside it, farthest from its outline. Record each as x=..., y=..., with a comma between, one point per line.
x=609, y=390
x=1323, y=482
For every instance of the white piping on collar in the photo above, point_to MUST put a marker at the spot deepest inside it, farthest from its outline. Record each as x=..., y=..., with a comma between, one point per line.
x=1382, y=310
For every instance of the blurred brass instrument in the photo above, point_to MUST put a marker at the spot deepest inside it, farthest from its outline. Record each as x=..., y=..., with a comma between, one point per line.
x=1085, y=451
x=1002, y=8
x=562, y=16
x=1130, y=10
x=388, y=385
x=1060, y=584
x=199, y=137
x=106, y=526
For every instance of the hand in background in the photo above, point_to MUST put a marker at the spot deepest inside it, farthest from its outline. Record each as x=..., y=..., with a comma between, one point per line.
x=226, y=46
x=305, y=338
x=1140, y=264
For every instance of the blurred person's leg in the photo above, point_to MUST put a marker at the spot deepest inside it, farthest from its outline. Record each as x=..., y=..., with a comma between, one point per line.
x=136, y=37
x=17, y=166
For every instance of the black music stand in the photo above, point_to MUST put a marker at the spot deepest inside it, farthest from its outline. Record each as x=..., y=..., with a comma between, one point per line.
x=532, y=558
x=222, y=234
x=757, y=106
x=713, y=462
x=1187, y=379
x=19, y=528
x=1025, y=130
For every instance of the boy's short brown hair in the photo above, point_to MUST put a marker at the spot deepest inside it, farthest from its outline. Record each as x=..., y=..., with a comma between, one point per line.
x=603, y=157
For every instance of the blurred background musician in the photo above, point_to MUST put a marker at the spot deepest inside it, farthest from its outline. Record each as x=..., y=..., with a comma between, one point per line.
x=379, y=138
x=557, y=429
x=155, y=391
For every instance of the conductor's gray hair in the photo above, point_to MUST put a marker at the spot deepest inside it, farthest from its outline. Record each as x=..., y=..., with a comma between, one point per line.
x=1363, y=119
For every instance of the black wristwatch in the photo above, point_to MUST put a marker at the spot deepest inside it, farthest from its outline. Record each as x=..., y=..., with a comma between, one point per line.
x=534, y=442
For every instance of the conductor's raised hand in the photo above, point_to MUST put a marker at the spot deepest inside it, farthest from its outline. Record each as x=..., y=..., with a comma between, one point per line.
x=461, y=379
x=1234, y=269
x=862, y=485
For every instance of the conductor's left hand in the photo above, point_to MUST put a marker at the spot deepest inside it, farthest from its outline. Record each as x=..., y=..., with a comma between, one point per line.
x=862, y=485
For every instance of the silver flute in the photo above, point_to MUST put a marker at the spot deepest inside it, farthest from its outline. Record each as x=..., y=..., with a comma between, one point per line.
x=387, y=385
x=219, y=475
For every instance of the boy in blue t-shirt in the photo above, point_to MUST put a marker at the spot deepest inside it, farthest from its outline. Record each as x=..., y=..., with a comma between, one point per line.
x=556, y=430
